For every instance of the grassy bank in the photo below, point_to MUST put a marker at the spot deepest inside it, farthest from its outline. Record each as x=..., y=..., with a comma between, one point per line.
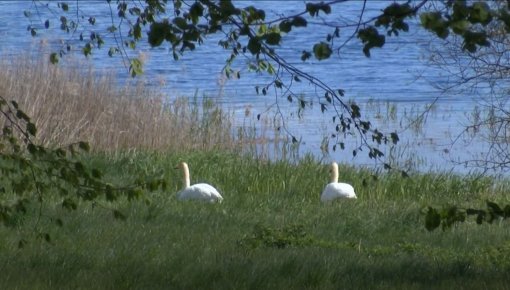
x=271, y=232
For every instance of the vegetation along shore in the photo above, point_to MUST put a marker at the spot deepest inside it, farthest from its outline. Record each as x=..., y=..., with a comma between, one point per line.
x=270, y=232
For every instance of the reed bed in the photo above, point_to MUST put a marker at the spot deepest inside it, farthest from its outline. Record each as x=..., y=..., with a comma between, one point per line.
x=74, y=103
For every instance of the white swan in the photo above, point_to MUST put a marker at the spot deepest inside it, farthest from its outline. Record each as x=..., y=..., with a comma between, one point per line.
x=200, y=191
x=335, y=189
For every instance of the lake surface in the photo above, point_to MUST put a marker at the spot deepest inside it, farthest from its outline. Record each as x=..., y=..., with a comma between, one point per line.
x=393, y=87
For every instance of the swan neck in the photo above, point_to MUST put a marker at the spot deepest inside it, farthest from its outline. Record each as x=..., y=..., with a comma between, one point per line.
x=185, y=175
x=334, y=172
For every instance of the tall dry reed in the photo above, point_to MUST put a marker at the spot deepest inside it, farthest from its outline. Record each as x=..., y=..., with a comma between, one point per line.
x=74, y=103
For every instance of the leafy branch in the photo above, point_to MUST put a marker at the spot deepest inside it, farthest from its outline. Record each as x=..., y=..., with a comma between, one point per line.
x=247, y=33
x=450, y=215
x=31, y=174
x=184, y=25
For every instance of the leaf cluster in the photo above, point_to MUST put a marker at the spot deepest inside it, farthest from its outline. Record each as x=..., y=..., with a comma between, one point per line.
x=392, y=19
x=450, y=215
x=467, y=20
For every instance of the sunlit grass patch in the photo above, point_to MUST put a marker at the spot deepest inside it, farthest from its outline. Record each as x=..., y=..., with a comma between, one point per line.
x=271, y=231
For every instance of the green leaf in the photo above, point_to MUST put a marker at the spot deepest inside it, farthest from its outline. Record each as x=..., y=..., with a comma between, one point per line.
x=31, y=129
x=394, y=137
x=54, y=58
x=432, y=219
x=504, y=16
x=299, y=21
x=273, y=38
x=322, y=50
x=480, y=13
x=472, y=39
x=254, y=45
x=96, y=173
x=135, y=11
x=494, y=207
x=87, y=49
x=32, y=149
x=158, y=32
x=227, y=9
x=63, y=23
x=314, y=8
x=434, y=22
x=305, y=55
x=180, y=22
x=195, y=12
x=135, y=67
x=79, y=167
x=481, y=217
x=302, y=104
x=355, y=111
x=285, y=26
x=112, y=51
x=64, y=6
x=371, y=38
x=460, y=10
x=84, y=146
x=459, y=27
x=22, y=116
x=506, y=211
x=137, y=31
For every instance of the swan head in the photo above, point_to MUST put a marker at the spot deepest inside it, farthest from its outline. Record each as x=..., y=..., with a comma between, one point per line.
x=182, y=165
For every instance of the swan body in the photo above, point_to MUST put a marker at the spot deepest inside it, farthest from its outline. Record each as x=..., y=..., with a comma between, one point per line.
x=335, y=190
x=199, y=191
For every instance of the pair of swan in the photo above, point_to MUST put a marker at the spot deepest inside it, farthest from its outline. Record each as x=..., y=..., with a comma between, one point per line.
x=205, y=192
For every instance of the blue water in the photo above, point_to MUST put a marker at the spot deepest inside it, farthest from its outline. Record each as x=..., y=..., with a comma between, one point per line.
x=397, y=74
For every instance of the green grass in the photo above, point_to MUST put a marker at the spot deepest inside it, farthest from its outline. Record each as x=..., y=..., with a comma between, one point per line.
x=271, y=232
